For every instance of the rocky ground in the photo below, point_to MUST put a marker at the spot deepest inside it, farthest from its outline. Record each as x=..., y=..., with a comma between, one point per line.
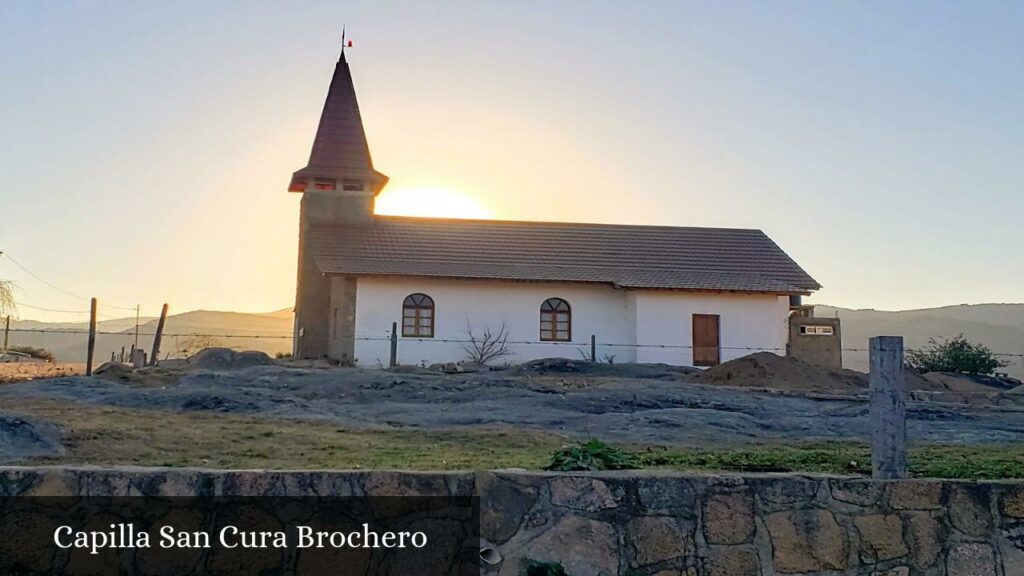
x=730, y=405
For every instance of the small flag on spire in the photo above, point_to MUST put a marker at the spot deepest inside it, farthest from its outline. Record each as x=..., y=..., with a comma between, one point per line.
x=344, y=43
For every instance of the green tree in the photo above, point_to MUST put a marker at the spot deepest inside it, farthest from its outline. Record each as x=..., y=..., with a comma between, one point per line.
x=955, y=355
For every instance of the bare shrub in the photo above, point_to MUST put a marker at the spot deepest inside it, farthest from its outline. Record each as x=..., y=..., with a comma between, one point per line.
x=486, y=346
x=7, y=304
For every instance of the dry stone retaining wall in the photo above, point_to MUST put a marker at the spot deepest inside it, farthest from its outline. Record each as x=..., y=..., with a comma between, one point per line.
x=655, y=524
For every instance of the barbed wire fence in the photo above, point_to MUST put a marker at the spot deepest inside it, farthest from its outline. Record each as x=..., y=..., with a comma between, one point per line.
x=99, y=309
x=584, y=349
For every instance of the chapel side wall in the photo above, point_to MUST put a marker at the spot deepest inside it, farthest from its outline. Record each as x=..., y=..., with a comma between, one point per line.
x=748, y=323
x=599, y=310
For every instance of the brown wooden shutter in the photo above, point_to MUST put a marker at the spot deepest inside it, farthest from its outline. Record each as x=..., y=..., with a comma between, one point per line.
x=706, y=340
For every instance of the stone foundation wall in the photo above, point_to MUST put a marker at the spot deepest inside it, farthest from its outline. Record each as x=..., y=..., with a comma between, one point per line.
x=656, y=524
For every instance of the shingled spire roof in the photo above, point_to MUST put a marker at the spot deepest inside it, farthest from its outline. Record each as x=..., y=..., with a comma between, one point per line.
x=340, y=150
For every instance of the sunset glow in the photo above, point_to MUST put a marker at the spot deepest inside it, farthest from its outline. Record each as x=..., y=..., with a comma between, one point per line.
x=430, y=202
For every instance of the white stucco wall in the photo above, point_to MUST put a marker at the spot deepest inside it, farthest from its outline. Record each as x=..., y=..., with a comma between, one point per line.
x=615, y=316
x=664, y=318
x=596, y=309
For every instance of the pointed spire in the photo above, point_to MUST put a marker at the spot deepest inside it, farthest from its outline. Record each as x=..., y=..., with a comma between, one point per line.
x=340, y=150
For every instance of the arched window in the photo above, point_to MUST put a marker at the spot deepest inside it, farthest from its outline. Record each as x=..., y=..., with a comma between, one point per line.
x=555, y=320
x=418, y=316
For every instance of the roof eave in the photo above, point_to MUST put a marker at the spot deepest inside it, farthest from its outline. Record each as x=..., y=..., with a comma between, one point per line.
x=613, y=285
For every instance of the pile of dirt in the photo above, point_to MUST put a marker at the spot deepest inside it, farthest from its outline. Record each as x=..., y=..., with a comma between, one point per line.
x=113, y=371
x=950, y=382
x=149, y=376
x=767, y=370
x=227, y=359
x=22, y=438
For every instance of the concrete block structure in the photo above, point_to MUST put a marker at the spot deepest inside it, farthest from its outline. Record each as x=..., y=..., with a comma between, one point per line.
x=815, y=340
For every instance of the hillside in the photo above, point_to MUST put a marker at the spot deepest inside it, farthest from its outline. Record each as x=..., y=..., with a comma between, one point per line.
x=998, y=326
x=270, y=333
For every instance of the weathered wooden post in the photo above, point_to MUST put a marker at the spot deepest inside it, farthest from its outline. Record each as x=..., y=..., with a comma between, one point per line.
x=593, y=348
x=888, y=408
x=159, y=334
x=394, y=345
x=92, y=338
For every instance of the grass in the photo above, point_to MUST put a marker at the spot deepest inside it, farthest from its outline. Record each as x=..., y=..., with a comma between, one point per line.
x=99, y=435
x=987, y=462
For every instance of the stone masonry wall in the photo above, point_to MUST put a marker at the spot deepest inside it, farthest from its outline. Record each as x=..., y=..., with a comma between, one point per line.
x=655, y=524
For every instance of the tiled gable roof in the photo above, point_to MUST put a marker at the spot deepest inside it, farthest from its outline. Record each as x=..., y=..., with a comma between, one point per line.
x=682, y=258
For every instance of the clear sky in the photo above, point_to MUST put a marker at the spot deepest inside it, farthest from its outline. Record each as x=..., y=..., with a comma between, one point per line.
x=146, y=147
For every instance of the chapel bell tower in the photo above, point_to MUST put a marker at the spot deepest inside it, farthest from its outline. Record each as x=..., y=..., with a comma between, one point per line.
x=338, y=187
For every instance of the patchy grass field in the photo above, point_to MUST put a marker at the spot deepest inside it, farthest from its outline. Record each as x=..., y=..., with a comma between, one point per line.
x=22, y=371
x=97, y=435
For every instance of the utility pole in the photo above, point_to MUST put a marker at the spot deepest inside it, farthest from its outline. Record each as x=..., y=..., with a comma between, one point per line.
x=136, y=326
x=7, y=331
x=159, y=334
x=92, y=338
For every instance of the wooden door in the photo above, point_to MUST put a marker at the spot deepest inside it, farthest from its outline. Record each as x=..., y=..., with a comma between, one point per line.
x=706, y=340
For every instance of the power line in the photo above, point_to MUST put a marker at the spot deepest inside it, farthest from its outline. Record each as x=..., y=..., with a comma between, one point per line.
x=57, y=288
x=20, y=304
x=26, y=305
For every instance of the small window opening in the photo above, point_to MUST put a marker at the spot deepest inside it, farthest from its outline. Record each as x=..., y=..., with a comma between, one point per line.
x=555, y=320
x=418, y=316
x=326, y=184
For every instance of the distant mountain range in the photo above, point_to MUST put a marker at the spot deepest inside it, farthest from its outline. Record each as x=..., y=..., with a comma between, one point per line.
x=998, y=326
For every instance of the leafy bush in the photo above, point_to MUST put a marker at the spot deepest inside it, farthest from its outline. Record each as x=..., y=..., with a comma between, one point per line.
x=40, y=353
x=956, y=355
x=592, y=455
x=538, y=568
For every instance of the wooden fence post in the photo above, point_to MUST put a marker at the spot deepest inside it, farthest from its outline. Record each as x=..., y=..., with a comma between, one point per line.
x=888, y=408
x=92, y=338
x=593, y=347
x=159, y=334
x=394, y=345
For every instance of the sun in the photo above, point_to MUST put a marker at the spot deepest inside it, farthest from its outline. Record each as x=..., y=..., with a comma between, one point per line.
x=430, y=202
